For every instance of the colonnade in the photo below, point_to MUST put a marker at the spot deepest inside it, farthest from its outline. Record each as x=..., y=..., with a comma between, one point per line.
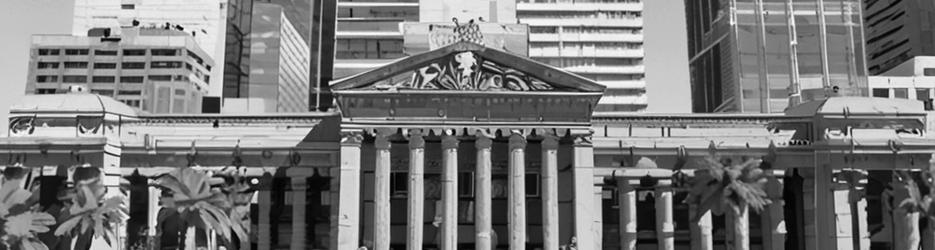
x=348, y=207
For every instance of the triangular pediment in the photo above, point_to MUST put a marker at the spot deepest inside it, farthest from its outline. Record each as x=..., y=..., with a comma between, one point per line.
x=467, y=66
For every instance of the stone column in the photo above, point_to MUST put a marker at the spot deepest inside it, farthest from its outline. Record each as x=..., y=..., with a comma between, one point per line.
x=348, y=208
x=416, y=199
x=449, y=228
x=701, y=237
x=153, y=210
x=772, y=226
x=627, y=197
x=517, y=186
x=550, y=220
x=583, y=172
x=665, y=224
x=597, y=224
x=852, y=217
x=264, y=200
x=299, y=189
x=381, y=193
x=483, y=198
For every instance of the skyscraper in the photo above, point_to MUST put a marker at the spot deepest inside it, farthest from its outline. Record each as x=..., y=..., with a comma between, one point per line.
x=154, y=70
x=897, y=31
x=278, y=60
x=757, y=55
x=369, y=34
x=203, y=19
x=600, y=40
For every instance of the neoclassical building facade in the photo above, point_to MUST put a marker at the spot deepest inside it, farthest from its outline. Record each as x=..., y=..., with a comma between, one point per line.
x=471, y=147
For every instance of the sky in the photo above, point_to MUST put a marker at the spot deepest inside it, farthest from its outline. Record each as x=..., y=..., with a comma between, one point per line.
x=22, y=19
x=664, y=33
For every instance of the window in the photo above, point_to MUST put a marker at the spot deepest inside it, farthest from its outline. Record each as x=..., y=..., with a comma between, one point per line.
x=923, y=94
x=180, y=78
x=133, y=65
x=132, y=103
x=160, y=77
x=99, y=52
x=104, y=92
x=48, y=52
x=48, y=65
x=127, y=6
x=902, y=93
x=532, y=184
x=878, y=92
x=165, y=65
x=128, y=92
x=103, y=79
x=45, y=91
x=76, y=52
x=928, y=72
x=105, y=65
x=164, y=52
x=46, y=78
x=75, y=79
x=134, y=52
x=180, y=92
x=466, y=184
x=131, y=79
x=188, y=66
x=196, y=57
x=76, y=65
x=399, y=183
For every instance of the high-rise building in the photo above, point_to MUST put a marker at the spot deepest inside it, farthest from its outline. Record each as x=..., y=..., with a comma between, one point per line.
x=369, y=34
x=758, y=55
x=279, y=62
x=600, y=40
x=913, y=79
x=154, y=70
x=203, y=19
x=897, y=31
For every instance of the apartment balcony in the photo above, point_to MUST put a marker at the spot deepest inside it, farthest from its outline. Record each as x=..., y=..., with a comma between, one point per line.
x=369, y=34
x=624, y=84
x=349, y=67
x=370, y=26
x=342, y=4
x=584, y=21
x=586, y=53
x=624, y=99
x=585, y=37
x=551, y=7
x=604, y=69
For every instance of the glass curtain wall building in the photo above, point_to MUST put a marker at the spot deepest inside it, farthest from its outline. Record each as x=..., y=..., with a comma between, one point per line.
x=759, y=55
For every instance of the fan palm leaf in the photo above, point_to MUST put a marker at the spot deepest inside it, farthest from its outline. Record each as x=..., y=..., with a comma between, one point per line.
x=91, y=215
x=21, y=219
x=195, y=201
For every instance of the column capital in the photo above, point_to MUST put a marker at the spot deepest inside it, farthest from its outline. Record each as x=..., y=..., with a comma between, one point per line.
x=549, y=142
x=449, y=142
x=483, y=141
x=351, y=137
x=581, y=137
x=382, y=142
x=517, y=141
x=415, y=139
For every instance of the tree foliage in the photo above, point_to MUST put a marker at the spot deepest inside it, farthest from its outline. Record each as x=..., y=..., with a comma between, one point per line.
x=92, y=215
x=719, y=185
x=21, y=217
x=195, y=202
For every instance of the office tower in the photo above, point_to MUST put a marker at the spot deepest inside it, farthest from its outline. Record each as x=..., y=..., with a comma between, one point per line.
x=741, y=51
x=600, y=40
x=912, y=79
x=155, y=70
x=369, y=34
x=203, y=19
x=897, y=31
x=279, y=63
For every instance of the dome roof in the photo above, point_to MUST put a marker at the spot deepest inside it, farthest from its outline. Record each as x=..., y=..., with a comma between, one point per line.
x=857, y=105
x=71, y=103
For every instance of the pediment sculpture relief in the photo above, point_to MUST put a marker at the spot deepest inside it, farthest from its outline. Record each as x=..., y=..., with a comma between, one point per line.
x=467, y=71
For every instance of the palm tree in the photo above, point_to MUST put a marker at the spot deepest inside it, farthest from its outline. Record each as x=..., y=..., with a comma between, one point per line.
x=721, y=186
x=20, y=216
x=239, y=194
x=195, y=202
x=905, y=194
x=90, y=214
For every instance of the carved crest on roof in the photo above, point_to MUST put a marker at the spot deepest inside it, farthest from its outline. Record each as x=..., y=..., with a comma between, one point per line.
x=466, y=71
